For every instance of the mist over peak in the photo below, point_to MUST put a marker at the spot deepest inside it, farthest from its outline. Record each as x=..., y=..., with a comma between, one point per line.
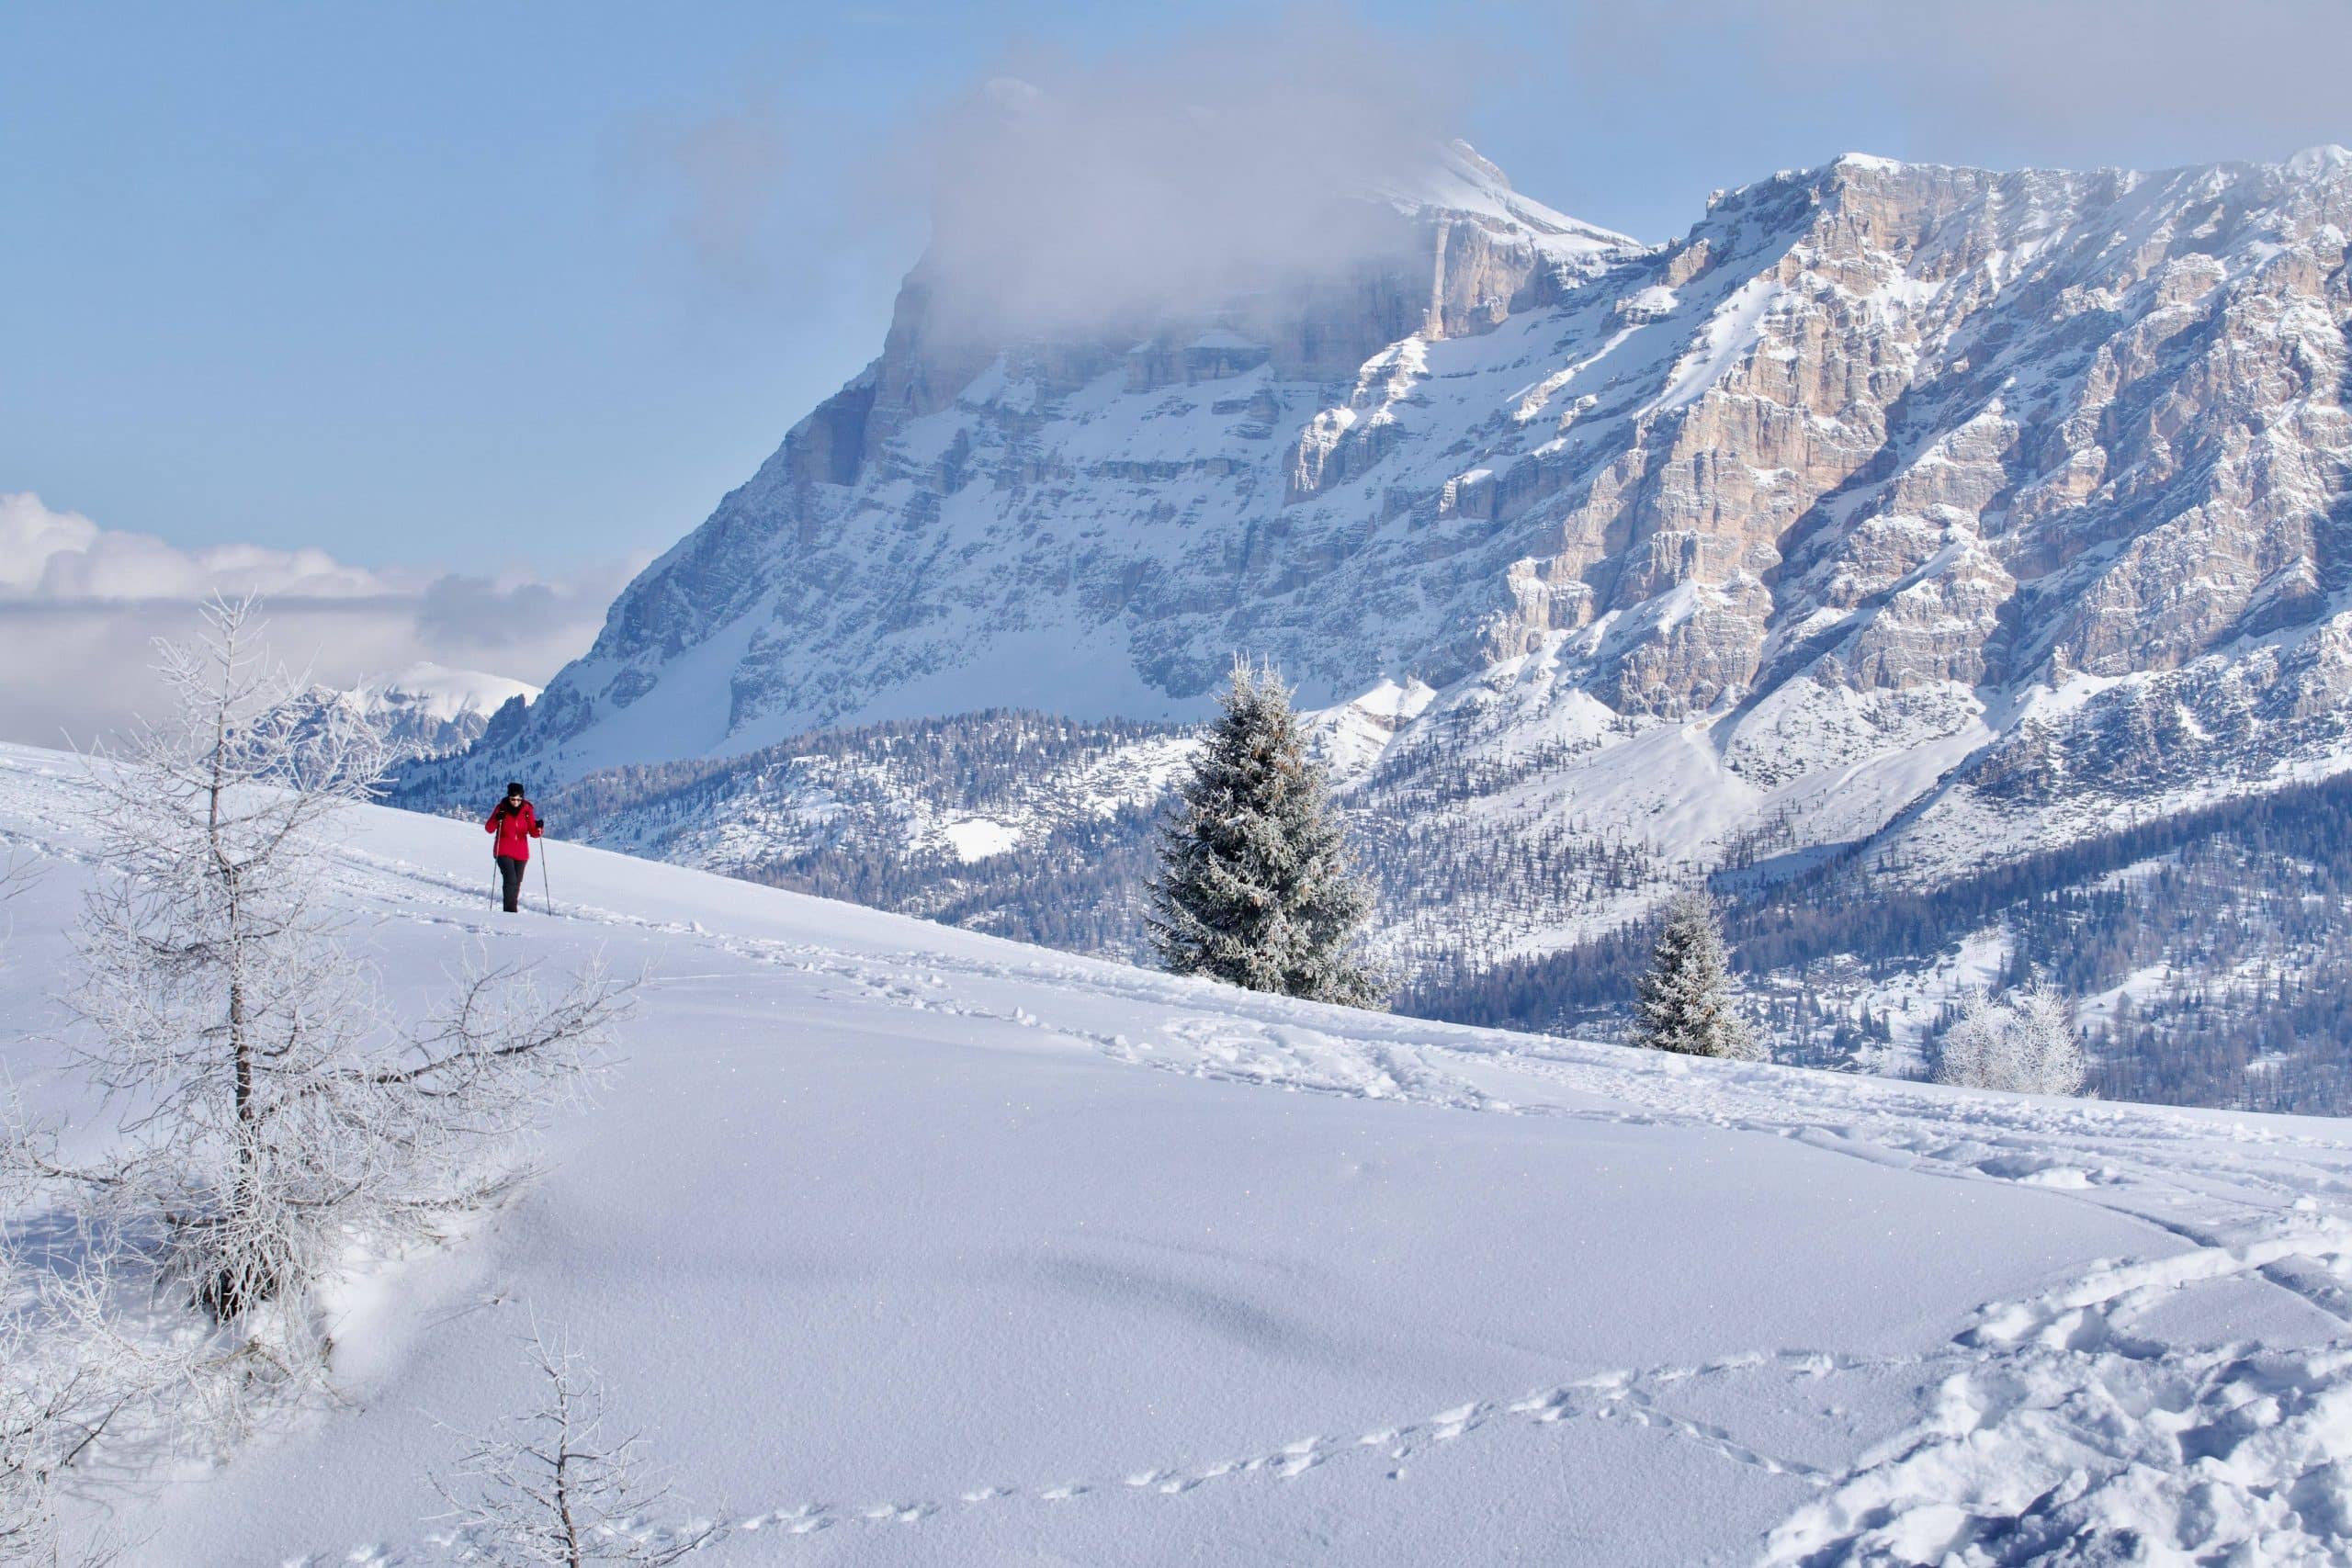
x=1067, y=198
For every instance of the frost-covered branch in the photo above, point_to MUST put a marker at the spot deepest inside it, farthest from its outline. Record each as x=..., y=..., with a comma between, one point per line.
x=500, y=1039
x=68, y=1373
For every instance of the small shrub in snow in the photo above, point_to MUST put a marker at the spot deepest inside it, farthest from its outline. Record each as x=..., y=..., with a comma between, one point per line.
x=1685, y=1002
x=69, y=1372
x=1255, y=887
x=557, y=1488
x=58, y=1390
x=2026, y=1042
x=36, y=1398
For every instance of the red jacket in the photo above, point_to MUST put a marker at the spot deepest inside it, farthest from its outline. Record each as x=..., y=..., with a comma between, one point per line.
x=516, y=828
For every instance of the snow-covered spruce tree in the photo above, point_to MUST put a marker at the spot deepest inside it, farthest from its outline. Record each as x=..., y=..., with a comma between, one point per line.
x=2025, y=1043
x=1685, y=1003
x=1255, y=887
x=556, y=1489
x=275, y=1113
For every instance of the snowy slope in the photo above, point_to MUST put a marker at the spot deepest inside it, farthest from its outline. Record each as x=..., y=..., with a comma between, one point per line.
x=905, y=1245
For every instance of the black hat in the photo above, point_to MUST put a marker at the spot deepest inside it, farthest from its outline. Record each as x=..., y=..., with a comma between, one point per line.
x=513, y=788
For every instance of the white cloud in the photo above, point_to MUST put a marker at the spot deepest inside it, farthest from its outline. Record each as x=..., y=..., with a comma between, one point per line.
x=1073, y=195
x=63, y=555
x=724, y=187
x=81, y=606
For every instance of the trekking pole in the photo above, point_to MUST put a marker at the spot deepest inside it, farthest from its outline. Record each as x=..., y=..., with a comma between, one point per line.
x=545, y=897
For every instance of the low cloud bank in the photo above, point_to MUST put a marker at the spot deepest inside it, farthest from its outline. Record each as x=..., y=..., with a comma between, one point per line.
x=81, y=606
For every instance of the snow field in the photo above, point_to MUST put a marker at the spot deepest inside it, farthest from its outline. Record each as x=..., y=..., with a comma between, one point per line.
x=904, y=1245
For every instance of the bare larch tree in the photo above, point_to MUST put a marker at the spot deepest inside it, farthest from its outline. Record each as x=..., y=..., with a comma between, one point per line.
x=275, y=1112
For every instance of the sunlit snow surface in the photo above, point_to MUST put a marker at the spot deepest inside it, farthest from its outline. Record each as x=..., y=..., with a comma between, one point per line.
x=904, y=1245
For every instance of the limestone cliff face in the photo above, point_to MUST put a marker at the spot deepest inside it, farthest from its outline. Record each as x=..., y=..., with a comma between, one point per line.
x=1935, y=424
x=1889, y=493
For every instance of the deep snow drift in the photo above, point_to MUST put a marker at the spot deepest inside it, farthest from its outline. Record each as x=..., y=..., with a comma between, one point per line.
x=901, y=1244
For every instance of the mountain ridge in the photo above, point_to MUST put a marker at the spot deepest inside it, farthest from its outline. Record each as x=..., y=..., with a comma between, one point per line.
x=1328, y=455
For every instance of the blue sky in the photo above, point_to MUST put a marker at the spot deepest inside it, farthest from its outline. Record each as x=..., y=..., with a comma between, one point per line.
x=523, y=287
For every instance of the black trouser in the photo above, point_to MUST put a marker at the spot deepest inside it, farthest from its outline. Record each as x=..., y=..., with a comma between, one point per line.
x=510, y=872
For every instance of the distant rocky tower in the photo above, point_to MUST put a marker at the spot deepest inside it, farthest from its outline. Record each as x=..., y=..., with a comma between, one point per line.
x=1787, y=521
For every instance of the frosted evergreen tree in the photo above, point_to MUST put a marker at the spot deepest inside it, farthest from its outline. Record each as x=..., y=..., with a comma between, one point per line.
x=1686, y=1003
x=2025, y=1043
x=1256, y=888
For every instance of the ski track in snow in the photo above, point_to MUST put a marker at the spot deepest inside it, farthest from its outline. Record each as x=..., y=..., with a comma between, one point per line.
x=2056, y=1428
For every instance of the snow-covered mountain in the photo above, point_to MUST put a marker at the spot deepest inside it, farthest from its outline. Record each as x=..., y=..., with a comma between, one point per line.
x=431, y=710
x=1088, y=529
x=1870, y=438
x=1930, y=516
x=903, y=1245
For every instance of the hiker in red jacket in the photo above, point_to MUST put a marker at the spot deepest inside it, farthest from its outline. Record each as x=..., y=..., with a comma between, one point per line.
x=516, y=822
